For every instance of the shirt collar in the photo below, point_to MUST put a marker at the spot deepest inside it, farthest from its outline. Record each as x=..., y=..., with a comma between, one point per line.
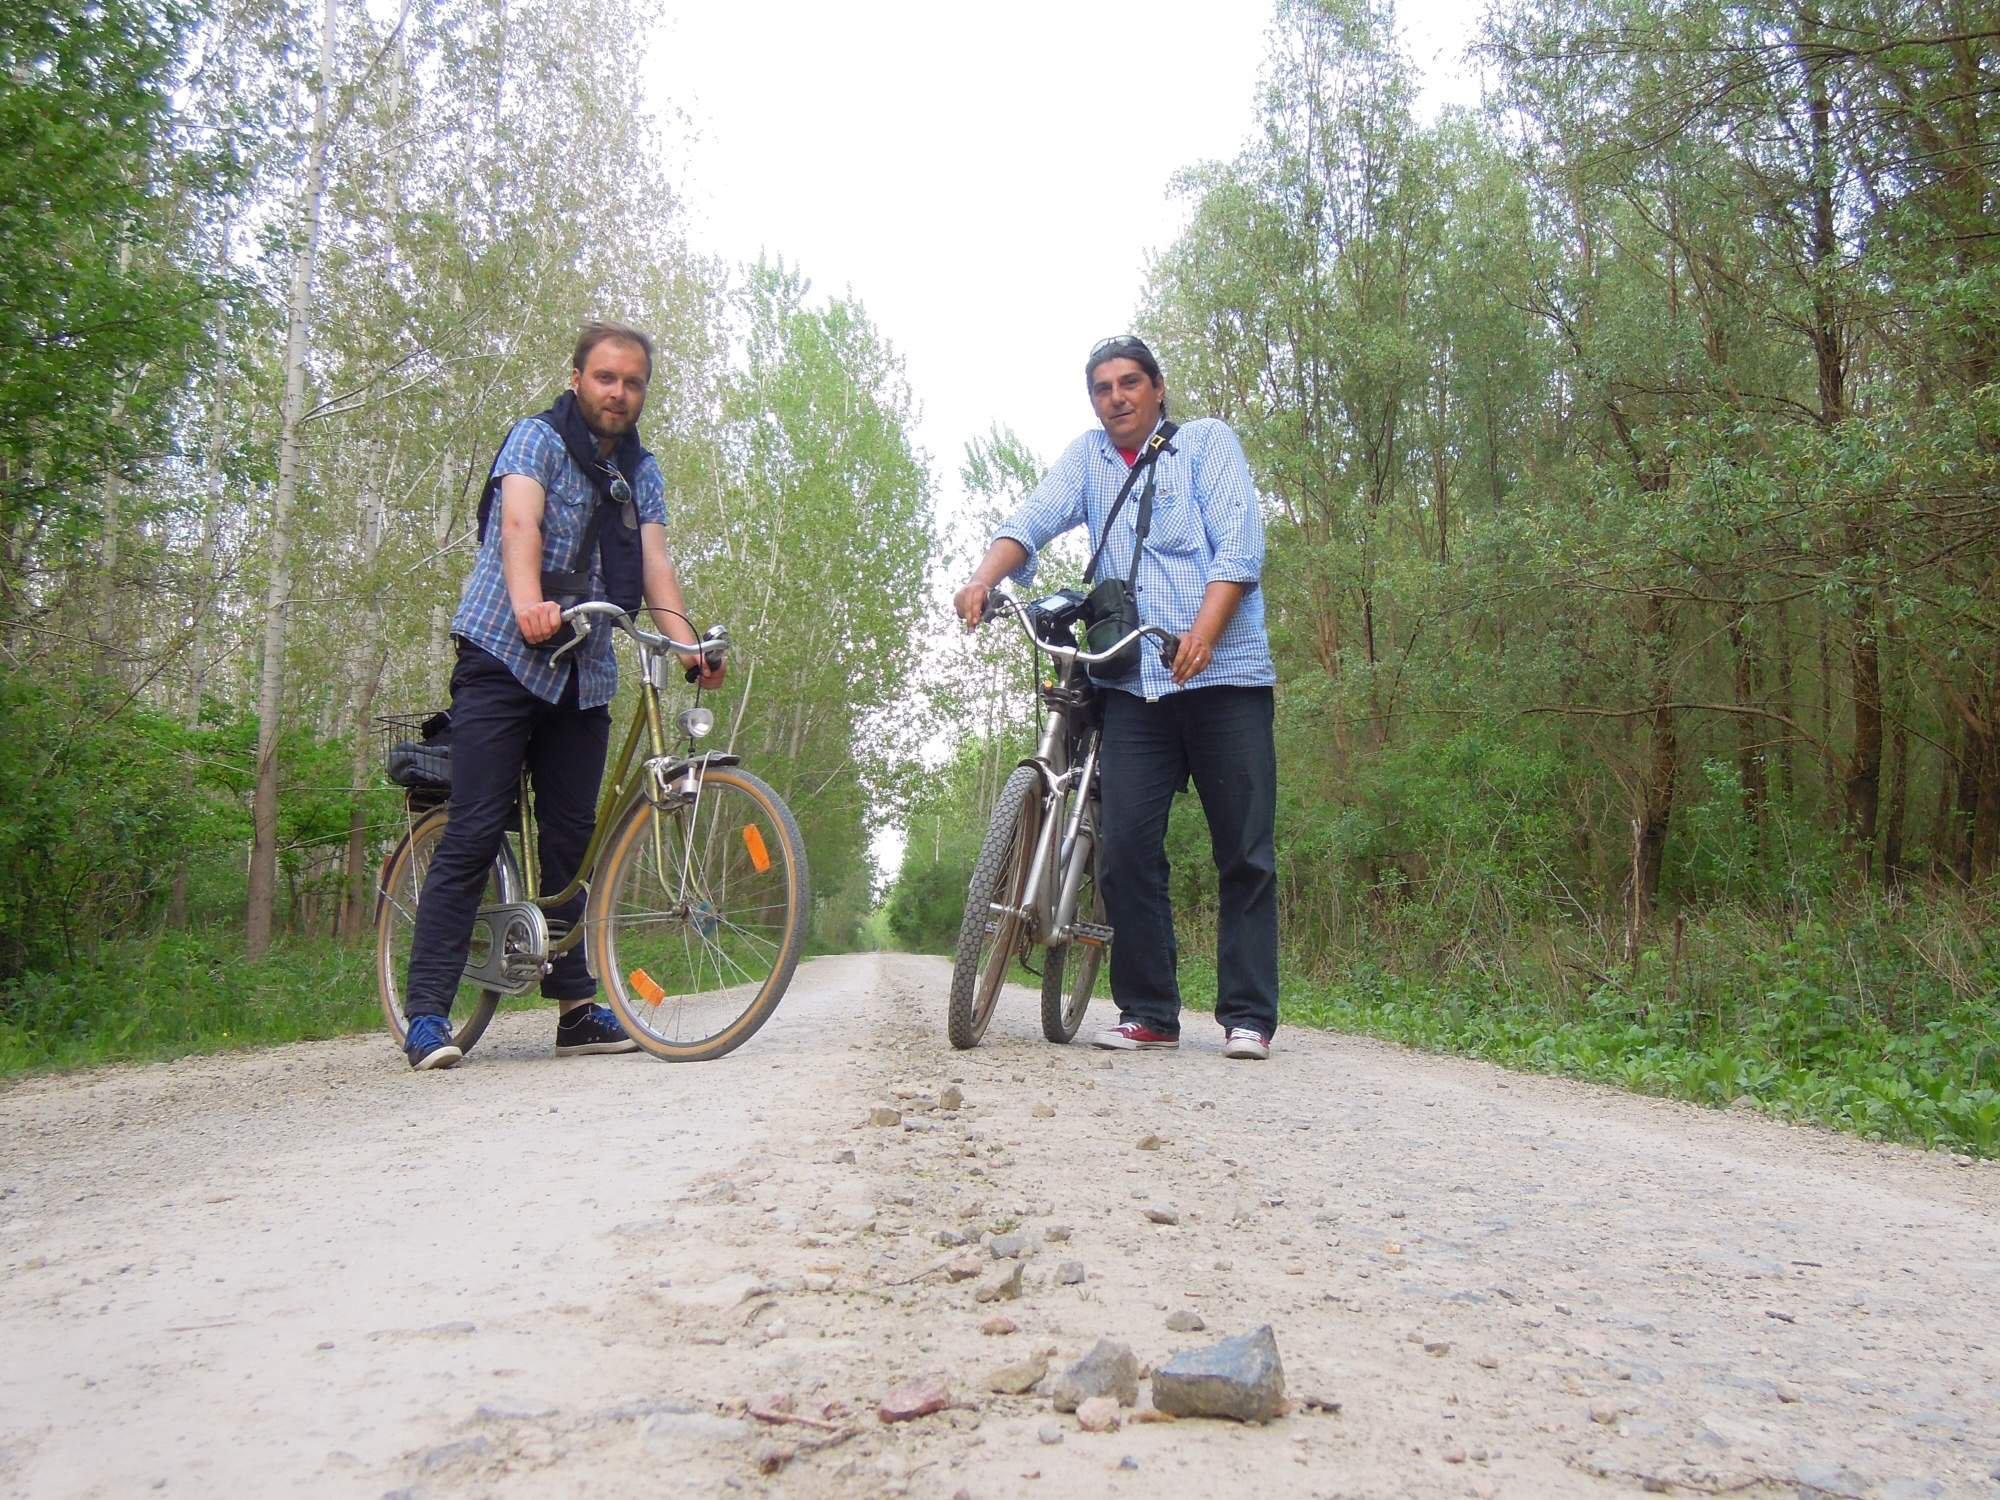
x=1109, y=449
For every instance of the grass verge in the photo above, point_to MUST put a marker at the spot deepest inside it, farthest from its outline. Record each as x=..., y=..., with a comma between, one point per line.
x=1804, y=1054
x=183, y=993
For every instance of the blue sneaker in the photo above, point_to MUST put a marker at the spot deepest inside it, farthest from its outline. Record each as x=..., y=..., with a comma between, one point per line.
x=591, y=1028
x=429, y=1044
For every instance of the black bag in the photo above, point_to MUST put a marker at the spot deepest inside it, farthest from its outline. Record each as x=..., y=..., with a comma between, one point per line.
x=1111, y=609
x=424, y=767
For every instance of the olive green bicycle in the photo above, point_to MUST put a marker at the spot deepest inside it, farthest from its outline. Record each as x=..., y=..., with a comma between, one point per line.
x=695, y=871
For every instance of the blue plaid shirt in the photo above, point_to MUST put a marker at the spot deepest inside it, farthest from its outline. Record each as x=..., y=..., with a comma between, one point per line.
x=1206, y=529
x=486, y=613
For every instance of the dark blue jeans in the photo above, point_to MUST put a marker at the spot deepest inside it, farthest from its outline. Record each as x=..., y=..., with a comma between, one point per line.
x=1222, y=737
x=498, y=726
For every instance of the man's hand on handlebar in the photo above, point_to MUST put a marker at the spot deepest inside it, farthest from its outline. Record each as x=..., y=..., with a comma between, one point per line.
x=973, y=604
x=1194, y=657
x=708, y=670
x=539, y=621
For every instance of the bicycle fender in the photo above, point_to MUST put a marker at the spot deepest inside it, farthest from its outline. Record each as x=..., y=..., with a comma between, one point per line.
x=662, y=773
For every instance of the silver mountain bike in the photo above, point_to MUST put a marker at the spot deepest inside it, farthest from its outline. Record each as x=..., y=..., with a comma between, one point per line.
x=1035, y=882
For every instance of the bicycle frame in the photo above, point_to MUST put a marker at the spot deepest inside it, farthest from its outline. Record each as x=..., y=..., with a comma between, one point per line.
x=658, y=775
x=1049, y=906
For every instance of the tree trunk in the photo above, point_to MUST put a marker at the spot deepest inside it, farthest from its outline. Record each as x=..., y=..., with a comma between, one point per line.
x=357, y=899
x=277, y=598
x=1663, y=769
x=1786, y=703
x=1864, y=766
x=1749, y=728
x=1899, y=804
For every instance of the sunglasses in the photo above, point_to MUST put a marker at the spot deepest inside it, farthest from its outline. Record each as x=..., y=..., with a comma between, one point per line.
x=620, y=490
x=1121, y=343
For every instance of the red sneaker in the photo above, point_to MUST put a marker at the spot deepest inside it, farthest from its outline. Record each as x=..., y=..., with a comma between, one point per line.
x=1130, y=1036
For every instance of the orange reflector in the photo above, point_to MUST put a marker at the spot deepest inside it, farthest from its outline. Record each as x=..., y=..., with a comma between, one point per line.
x=754, y=842
x=644, y=987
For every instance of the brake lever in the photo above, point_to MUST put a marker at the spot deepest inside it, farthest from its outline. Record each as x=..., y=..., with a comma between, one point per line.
x=578, y=628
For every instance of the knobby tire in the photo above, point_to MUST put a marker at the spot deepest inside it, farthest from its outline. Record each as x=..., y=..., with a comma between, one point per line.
x=987, y=939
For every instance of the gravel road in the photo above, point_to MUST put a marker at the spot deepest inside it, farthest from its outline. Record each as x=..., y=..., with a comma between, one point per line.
x=308, y=1271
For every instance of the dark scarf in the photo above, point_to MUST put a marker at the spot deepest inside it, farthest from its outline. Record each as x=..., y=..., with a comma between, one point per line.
x=617, y=534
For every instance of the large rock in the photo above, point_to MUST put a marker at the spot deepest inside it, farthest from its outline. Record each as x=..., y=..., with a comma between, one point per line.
x=1239, y=1378
x=1110, y=1369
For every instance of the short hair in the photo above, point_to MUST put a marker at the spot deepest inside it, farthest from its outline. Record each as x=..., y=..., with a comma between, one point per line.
x=597, y=333
x=1123, y=346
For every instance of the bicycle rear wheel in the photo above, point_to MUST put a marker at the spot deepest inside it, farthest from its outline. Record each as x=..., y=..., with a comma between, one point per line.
x=698, y=915
x=396, y=893
x=1069, y=973
x=987, y=937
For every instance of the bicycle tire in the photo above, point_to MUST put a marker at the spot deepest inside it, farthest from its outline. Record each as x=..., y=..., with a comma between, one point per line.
x=1064, y=1004
x=396, y=893
x=986, y=939
x=728, y=912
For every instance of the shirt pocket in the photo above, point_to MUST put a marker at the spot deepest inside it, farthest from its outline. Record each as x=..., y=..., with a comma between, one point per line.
x=564, y=515
x=1177, y=527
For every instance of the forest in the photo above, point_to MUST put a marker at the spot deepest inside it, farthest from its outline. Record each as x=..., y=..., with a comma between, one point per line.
x=1630, y=448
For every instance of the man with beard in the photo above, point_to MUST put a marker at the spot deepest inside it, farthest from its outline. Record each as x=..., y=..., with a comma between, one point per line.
x=514, y=704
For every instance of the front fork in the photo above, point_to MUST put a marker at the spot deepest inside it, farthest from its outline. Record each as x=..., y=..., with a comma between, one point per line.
x=1078, y=844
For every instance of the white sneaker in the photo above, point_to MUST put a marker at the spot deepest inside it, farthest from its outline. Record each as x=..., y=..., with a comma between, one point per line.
x=1243, y=1042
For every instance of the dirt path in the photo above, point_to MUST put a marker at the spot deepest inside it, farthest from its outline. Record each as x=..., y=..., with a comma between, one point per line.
x=307, y=1271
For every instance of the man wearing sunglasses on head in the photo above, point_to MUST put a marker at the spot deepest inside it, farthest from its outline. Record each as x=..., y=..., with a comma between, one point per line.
x=574, y=508
x=1187, y=539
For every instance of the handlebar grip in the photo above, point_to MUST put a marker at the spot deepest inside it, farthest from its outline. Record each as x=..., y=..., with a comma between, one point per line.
x=991, y=607
x=1169, y=648
x=710, y=660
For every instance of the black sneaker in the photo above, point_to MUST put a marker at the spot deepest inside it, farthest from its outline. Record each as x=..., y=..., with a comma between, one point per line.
x=429, y=1044
x=591, y=1028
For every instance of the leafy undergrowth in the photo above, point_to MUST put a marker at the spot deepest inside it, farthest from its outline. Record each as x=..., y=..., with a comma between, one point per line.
x=183, y=993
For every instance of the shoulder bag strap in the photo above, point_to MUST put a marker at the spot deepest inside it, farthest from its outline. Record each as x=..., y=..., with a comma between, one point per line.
x=1157, y=444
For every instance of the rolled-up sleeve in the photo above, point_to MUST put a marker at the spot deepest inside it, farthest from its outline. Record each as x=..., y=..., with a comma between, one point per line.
x=652, y=493
x=1229, y=512
x=1056, y=506
x=534, y=451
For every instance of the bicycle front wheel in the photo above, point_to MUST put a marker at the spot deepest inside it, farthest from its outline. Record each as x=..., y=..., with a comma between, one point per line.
x=993, y=924
x=698, y=916
x=396, y=894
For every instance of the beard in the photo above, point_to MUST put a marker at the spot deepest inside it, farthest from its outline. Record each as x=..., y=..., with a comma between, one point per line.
x=604, y=422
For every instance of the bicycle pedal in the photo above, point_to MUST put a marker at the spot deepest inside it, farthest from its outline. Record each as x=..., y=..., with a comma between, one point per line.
x=1096, y=934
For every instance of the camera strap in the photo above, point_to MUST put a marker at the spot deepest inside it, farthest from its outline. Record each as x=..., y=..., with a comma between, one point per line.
x=1149, y=456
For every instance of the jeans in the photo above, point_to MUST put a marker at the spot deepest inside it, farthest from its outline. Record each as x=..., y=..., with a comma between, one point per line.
x=498, y=726
x=1222, y=737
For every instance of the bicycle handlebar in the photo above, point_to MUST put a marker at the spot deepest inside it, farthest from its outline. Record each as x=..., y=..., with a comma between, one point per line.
x=999, y=603
x=713, y=646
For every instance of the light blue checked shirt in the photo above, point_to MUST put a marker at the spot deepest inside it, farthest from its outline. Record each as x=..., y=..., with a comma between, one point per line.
x=1206, y=529
x=486, y=613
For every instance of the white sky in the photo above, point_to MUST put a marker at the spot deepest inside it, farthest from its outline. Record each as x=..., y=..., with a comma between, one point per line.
x=987, y=180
